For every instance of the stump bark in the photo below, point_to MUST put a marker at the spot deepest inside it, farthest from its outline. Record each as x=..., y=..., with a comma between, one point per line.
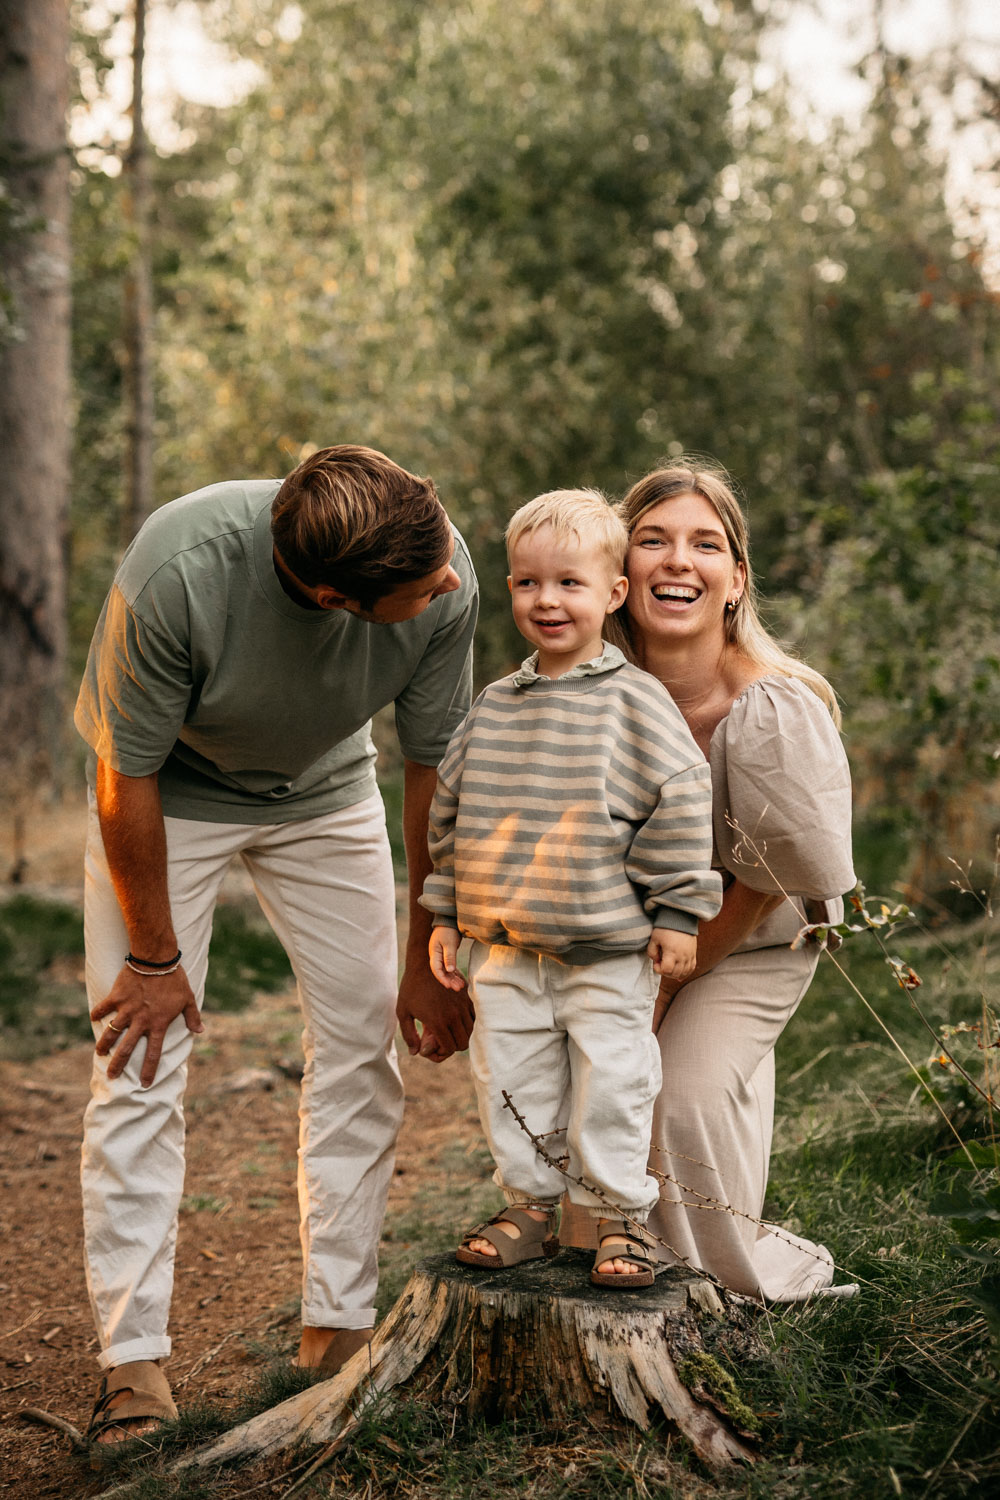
x=537, y=1335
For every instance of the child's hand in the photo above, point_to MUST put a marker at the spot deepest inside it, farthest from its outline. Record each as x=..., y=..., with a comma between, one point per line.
x=674, y=954
x=443, y=949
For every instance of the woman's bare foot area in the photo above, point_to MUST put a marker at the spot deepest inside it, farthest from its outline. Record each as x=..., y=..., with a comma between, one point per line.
x=483, y=1247
x=327, y=1349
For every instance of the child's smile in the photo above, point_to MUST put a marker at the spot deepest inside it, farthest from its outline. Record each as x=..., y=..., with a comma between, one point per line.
x=562, y=589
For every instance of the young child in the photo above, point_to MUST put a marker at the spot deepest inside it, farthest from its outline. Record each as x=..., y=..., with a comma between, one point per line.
x=571, y=835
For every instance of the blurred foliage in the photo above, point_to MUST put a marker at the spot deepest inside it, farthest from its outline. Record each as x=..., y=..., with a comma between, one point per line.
x=43, y=999
x=521, y=244
x=904, y=620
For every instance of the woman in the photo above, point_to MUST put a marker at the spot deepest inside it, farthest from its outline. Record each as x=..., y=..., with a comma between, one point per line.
x=782, y=816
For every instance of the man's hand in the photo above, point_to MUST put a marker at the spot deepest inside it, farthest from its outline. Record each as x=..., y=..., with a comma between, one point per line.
x=135, y=843
x=446, y=1017
x=143, y=1007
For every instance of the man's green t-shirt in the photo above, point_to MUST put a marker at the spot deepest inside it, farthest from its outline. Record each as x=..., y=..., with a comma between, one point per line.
x=252, y=708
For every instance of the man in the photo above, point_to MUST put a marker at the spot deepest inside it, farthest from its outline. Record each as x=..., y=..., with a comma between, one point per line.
x=252, y=630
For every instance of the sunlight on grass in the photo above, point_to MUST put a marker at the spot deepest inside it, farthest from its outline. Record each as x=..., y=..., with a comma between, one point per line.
x=896, y=1391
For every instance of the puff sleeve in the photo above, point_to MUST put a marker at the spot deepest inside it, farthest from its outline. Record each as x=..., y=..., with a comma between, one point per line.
x=781, y=793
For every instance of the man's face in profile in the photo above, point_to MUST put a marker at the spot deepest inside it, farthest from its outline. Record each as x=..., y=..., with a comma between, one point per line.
x=409, y=599
x=404, y=602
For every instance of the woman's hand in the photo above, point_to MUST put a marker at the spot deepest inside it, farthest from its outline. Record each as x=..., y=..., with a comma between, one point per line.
x=742, y=910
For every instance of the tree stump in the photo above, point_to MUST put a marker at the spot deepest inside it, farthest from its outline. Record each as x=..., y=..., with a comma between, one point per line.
x=539, y=1335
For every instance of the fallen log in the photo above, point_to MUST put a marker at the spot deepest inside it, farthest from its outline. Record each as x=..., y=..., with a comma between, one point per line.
x=538, y=1335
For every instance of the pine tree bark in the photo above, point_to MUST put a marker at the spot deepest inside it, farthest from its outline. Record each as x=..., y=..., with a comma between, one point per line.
x=34, y=392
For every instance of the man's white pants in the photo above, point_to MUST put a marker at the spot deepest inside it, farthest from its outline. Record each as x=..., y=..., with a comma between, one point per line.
x=326, y=887
x=573, y=1046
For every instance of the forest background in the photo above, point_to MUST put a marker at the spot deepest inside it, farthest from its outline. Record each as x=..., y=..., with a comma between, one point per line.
x=519, y=245
x=516, y=245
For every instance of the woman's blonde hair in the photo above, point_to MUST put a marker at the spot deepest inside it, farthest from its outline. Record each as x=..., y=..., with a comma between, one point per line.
x=743, y=626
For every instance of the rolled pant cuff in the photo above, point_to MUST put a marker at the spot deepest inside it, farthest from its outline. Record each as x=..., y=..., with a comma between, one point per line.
x=325, y=1318
x=132, y=1352
x=522, y=1200
x=607, y=1211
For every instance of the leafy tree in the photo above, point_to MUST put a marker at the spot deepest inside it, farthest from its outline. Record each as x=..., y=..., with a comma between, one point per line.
x=102, y=248
x=523, y=244
x=477, y=266
x=906, y=614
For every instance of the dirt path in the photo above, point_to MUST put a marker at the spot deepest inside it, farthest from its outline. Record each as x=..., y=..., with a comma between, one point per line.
x=238, y=1264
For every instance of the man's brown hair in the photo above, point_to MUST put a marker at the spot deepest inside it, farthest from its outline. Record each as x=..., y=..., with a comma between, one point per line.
x=350, y=518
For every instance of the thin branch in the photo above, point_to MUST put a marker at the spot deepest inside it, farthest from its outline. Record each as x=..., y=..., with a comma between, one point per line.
x=615, y=1209
x=709, y=1204
x=48, y=1419
x=871, y=1010
x=21, y=1326
x=206, y=1359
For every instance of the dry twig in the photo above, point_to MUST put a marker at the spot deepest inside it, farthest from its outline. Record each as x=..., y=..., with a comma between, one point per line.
x=206, y=1359
x=48, y=1419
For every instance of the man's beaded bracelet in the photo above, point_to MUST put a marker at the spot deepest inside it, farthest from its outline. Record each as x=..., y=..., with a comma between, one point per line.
x=151, y=968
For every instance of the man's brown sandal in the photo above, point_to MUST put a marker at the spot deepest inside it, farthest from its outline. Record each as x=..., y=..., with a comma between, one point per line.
x=536, y=1240
x=131, y=1395
x=621, y=1241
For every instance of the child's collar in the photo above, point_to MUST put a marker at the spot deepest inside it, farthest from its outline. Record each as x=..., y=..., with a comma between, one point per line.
x=608, y=661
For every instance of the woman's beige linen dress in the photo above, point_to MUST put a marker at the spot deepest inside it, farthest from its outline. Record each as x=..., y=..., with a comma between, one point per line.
x=782, y=823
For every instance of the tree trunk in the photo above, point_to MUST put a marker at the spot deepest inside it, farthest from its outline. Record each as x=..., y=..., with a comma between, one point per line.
x=138, y=303
x=34, y=391
x=537, y=1336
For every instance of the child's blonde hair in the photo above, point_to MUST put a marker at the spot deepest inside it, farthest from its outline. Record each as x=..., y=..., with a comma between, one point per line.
x=586, y=515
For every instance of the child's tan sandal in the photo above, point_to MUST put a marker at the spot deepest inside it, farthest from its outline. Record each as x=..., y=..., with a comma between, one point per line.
x=535, y=1241
x=621, y=1241
x=148, y=1399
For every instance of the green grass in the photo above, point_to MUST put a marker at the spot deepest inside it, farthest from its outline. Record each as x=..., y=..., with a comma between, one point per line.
x=198, y=1423
x=43, y=1003
x=244, y=956
x=42, y=999
x=895, y=1392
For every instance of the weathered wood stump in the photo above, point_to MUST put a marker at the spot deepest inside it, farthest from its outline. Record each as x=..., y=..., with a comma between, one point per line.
x=537, y=1335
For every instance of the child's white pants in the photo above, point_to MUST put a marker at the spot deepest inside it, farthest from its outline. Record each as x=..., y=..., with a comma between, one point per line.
x=326, y=886
x=573, y=1047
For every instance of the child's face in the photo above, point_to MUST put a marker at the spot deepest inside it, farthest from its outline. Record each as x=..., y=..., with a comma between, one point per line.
x=562, y=589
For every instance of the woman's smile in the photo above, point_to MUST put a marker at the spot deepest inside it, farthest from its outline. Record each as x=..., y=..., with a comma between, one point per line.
x=675, y=593
x=681, y=569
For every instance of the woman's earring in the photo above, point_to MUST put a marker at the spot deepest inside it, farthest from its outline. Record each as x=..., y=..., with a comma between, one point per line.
x=731, y=605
